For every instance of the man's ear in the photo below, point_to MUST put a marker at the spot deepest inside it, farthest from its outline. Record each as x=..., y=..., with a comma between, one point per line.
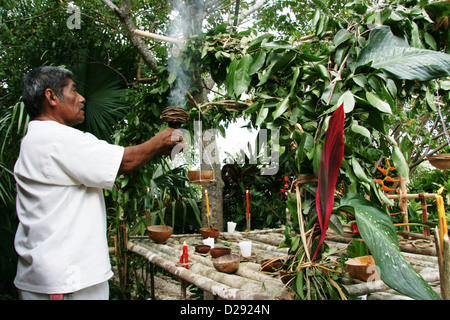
x=51, y=97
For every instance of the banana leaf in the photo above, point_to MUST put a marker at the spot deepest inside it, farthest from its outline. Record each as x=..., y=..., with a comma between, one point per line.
x=378, y=231
x=330, y=162
x=401, y=61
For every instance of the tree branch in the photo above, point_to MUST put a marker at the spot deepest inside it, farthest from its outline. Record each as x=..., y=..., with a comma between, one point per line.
x=125, y=17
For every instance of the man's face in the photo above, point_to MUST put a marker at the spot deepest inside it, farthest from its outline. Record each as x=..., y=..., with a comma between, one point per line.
x=72, y=105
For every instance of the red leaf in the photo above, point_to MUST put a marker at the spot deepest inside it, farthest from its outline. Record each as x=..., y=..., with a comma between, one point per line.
x=330, y=162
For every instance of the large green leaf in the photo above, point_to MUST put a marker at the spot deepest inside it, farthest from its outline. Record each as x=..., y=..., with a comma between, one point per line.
x=241, y=75
x=103, y=92
x=378, y=231
x=401, y=61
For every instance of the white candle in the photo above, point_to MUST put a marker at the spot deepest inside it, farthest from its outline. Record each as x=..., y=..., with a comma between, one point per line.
x=246, y=248
x=231, y=226
x=209, y=242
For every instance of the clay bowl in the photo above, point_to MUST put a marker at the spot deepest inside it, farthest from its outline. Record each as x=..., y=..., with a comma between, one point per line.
x=228, y=263
x=200, y=175
x=271, y=265
x=159, y=233
x=219, y=251
x=202, y=248
x=362, y=268
x=440, y=161
x=210, y=233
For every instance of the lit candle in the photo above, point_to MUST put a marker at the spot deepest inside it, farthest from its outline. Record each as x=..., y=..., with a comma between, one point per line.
x=207, y=203
x=209, y=242
x=443, y=232
x=207, y=209
x=146, y=198
x=248, y=213
x=248, y=207
x=185, y=256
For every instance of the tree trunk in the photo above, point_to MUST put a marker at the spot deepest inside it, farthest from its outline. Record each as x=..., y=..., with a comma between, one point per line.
x=211, y=162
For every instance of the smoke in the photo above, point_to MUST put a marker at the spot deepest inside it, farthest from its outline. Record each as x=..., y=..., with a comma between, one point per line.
x=187, y=20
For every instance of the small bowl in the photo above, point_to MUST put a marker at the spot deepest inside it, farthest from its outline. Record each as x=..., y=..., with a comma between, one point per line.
x=210, y=233
x=362, y=268
x=440, y=161
x=271, y=265
x=219, y=251
x=228, y=263
x=159, y=233
x=202, y=248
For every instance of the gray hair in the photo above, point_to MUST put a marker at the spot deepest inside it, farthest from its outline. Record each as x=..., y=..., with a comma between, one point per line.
x=37, y=81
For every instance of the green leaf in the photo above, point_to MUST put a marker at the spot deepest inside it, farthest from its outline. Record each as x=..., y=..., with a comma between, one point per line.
x=262, y=115
x=378, y=232
x=342, y=36
x=359, y=171
x=242, y=78
x=281, y=108
x=400, y=162
x=257, y=62
x=401, y=61
x=356, y=128
x=229, y=80
x=299, y=284
x=378, y=103
x=348, y=100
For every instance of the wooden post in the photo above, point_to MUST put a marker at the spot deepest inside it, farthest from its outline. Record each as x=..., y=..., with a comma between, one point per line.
x=444, y=264
x=152, y=280
x=183, y=289
x=423, y=201
x=403, y=204
x=122, y=261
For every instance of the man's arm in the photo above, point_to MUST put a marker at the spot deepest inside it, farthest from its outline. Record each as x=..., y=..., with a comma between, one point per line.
x=162, y=143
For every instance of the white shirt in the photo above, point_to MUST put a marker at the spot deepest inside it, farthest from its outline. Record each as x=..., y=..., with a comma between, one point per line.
x=61, y=238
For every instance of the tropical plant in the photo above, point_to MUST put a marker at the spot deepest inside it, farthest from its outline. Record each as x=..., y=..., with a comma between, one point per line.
x=379, y=234
x=331, y=159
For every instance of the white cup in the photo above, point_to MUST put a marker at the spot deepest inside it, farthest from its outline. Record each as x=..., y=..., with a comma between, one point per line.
x=231, y=226
x=209, y=242
x=246, y=248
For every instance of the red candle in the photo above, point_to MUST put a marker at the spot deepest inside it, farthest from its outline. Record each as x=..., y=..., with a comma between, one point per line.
x=248, y=207
x=185, y=256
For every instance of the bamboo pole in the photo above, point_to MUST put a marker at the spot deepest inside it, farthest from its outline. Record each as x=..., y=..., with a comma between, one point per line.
x=403, y=196
x=444, y=264
x=403, y=203
x=363, y=288
x=155, y=36
x=423, y=202
x=413, y=196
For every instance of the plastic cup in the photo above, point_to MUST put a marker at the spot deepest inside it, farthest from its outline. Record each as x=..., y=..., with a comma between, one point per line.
x=246, y=248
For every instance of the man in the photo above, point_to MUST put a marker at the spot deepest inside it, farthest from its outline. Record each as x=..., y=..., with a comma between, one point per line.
x=60, y=173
